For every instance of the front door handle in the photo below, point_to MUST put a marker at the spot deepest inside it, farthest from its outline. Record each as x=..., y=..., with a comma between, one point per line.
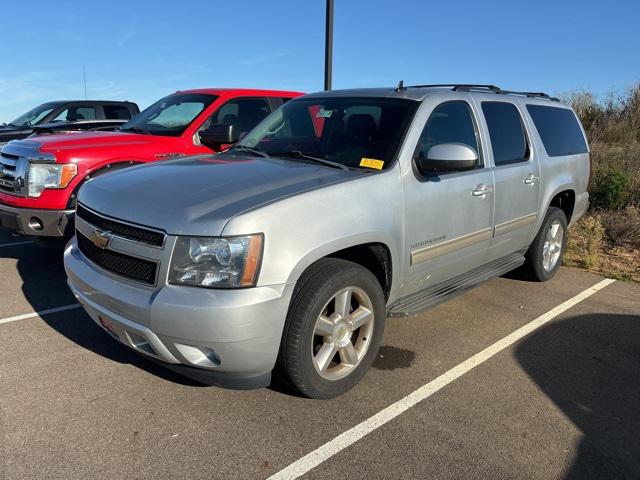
x=481, y=191
x=531, y=179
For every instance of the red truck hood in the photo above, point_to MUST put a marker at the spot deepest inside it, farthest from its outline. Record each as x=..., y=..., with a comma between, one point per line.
x=75, y=141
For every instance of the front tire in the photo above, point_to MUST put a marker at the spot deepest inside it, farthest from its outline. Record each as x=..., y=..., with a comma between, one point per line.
x=334, y=328
x=544, y=256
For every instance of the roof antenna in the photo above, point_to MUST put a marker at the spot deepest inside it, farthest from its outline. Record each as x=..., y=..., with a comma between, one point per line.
x=400, y=86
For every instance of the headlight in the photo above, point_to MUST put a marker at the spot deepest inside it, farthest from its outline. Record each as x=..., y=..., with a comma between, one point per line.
x=230, y=262
x=49, y=175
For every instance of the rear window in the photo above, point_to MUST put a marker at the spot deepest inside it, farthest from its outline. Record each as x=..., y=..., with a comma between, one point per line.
x=508, y=141
x=558, y=129
x=116, y=112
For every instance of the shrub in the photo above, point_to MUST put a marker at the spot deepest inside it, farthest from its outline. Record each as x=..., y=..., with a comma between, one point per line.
x=613, y=119
x=618, y=164
x=610, y=190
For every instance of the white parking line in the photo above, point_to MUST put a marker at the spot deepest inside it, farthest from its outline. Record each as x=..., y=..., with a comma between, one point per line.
x=15, y=243
x=39, y=314
x=344, y=440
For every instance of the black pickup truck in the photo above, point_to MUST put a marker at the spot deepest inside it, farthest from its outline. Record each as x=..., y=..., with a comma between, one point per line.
x=68, y=116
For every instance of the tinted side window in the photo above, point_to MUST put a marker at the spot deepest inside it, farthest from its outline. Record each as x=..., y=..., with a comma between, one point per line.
x=508, y=140
x=75, y=114
x=449, y=123
x=116, y=112
x=558, y=129
x=244, y=113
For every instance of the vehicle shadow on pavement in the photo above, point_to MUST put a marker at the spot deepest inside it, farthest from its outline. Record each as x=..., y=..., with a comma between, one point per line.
x=44, y=284
x=589, y=366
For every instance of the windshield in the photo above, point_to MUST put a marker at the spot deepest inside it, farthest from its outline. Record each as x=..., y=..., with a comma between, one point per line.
x=171, y=115
x=34, y=116
x=352, y=131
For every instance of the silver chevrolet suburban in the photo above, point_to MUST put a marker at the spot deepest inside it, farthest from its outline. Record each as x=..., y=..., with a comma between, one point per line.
x=287, y=252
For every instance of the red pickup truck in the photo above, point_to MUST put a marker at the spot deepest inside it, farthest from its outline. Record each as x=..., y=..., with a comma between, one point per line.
x=40, y=176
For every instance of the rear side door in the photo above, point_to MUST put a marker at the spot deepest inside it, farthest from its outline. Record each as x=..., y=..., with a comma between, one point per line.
x=516, y=172
x=448, y=218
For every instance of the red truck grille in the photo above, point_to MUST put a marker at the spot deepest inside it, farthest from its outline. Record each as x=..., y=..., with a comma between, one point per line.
x=8, y=173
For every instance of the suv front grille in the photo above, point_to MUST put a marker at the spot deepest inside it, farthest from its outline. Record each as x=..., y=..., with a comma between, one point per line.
x=8, y=174
x=124, y=265
x=130, y=232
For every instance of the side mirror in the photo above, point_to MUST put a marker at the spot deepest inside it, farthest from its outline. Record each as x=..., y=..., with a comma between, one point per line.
x=218, y=134
x=447, y=157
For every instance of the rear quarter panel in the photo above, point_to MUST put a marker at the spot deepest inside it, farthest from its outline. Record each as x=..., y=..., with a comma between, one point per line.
x=557, y=174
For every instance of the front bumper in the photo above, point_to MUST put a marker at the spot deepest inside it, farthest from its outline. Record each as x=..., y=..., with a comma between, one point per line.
x=222, y=337
x=41, y=223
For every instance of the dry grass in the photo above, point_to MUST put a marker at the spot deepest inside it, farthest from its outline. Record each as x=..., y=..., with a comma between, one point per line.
x=607, y=239
x=607, y=243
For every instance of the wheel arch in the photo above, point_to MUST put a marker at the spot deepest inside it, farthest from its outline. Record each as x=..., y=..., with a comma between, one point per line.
x=101, y=169
x=374, y=254
x=565, y=200
x=563, y=196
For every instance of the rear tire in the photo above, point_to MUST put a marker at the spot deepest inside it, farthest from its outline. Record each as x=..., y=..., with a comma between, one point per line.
x=334, y=328
x=545, y=253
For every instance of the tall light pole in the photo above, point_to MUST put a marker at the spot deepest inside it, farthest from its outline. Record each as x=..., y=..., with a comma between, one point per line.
x=328, y=46
x=84, y=80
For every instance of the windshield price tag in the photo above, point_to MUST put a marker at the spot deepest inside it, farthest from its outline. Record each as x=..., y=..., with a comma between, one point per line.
x=371, y=163
x=322, y=113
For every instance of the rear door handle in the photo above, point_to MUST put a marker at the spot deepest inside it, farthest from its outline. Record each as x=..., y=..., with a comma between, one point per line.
x=481, y=190
x=531, y=179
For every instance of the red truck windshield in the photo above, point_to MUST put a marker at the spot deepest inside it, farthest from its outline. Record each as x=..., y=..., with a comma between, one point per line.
x=169, y=116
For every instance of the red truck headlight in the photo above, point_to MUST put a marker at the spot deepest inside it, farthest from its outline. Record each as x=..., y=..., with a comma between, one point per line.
x=49, y=175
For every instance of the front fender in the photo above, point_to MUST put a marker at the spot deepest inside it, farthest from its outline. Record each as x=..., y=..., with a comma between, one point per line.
x=329, y=248
x=96, y=170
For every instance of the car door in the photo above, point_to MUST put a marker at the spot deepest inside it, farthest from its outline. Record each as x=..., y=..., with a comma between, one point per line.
x=448, y=218
x=517, y=178
x=242, y=112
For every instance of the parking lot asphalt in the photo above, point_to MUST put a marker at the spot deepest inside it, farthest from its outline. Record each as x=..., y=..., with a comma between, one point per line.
x=561, y=402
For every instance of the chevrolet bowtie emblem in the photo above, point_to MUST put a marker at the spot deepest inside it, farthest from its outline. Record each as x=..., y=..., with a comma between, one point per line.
x=100, y=238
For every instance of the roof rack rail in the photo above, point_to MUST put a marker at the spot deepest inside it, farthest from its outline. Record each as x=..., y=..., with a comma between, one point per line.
x=459, y=86
x=532, y=95
x=462, y=87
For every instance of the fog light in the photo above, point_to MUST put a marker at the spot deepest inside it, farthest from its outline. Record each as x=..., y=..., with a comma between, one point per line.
x=36, y=224
x=201, y=356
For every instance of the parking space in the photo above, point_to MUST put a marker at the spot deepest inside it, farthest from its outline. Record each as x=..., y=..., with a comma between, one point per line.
x=559, y=403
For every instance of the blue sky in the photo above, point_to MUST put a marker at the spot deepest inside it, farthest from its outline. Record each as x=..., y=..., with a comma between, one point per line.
x=142, y=50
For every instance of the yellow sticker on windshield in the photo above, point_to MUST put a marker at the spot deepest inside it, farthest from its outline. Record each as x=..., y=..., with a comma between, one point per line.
x=371, y=163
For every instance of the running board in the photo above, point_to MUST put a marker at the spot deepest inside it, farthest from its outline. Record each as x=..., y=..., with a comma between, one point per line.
x=432, y=296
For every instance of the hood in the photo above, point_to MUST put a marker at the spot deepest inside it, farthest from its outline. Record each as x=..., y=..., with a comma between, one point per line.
x=98, y=140
x=198, y=195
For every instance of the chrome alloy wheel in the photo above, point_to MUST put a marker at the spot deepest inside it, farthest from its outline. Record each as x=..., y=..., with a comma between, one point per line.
x=342, y=333
x=552, y=246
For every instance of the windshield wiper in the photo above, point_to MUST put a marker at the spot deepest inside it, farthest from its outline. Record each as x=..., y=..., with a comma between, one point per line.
x=322, y=161
x=254, y=151
x=136, y=130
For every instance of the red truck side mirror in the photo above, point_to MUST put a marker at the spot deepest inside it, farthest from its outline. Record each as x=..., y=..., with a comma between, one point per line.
x=218, y=134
